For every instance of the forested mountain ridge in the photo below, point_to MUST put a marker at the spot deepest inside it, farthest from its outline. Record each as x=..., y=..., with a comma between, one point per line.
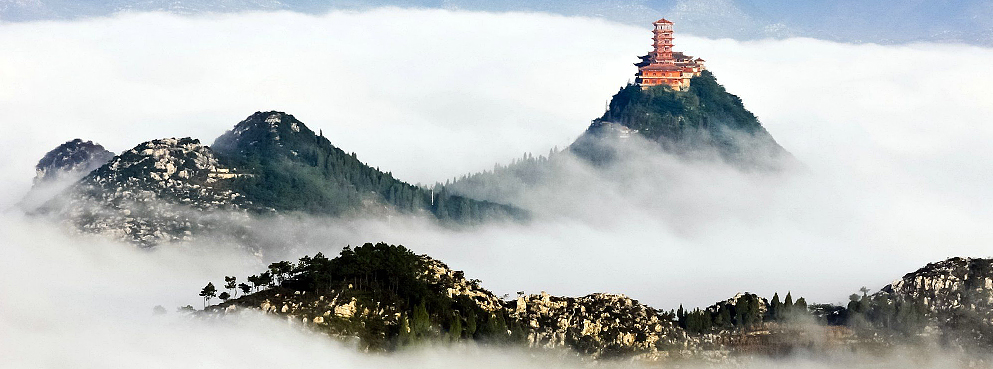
x=270, y=164
x=389, y=297
x=289, y=167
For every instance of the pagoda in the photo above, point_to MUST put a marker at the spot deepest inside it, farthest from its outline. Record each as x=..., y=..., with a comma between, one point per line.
x=665, y=67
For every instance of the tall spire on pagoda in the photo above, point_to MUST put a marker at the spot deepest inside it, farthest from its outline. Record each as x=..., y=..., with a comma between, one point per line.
x=663, y=42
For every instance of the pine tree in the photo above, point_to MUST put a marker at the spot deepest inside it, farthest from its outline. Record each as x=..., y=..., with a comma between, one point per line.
x=208, y=292
x=421, y=322
x=231, y=284
x=405, y=336
x=776, y=308
x=470, y=324
x=800, y=307
x=788, y=305
x=455, y=328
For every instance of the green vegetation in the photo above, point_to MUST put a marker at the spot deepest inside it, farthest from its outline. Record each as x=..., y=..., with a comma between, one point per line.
x=703, y=117
x=868, y=314
x=208, y=292
x=744, y=313
x=660, y=112
x=290, y=168
x=394, y=278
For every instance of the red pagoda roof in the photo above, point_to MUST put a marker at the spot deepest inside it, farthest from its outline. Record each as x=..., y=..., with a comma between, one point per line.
x=662, y=21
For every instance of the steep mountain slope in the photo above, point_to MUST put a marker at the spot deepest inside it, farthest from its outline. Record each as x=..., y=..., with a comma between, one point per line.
x=294, y=169
x=269, y=164
x=161, y=190
x=957, y=295
x=705, y=117
x=703, y=123
x=62, y=166
x=72, y=160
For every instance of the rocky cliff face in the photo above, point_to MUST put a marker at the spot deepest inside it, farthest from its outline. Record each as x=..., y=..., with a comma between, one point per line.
x=71, y=160
x=62, y=167
x=159, y=191
x=600, y=325
x=957, y=293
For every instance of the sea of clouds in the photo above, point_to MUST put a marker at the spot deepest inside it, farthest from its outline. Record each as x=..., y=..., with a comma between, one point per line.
x=894, y=141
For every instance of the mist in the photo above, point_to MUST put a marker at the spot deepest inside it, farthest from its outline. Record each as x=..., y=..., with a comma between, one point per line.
x=896, y=164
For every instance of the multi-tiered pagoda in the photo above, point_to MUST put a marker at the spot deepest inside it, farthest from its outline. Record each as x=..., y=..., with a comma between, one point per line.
x=665, y=67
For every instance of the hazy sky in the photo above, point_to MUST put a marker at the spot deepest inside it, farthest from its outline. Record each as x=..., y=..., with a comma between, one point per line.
x=895, y=141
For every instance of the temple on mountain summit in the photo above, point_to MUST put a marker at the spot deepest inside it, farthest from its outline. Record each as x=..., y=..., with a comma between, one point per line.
x=663, y=66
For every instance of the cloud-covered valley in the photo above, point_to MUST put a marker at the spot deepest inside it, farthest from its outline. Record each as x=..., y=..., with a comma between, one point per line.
x=894, y=141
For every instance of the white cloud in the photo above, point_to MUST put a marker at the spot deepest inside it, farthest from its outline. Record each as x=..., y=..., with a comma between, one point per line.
x=895, y=139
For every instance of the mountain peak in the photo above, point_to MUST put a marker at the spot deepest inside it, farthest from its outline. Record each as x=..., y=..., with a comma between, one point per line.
x=74, y=158
x=702, y=118
x=264, y=131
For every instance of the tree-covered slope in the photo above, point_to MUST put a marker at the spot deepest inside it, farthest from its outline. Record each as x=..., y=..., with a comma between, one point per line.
x=389, y=297
x=705, y=117
x=288, y=167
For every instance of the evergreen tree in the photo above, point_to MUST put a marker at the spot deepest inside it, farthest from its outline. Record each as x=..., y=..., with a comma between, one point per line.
x=421, y=322
x=406, y=335
x=455, y=328
x=723, y=318
x=788, y=305
x=470, y=324
x=776, y=308
x=224, y=296
x=208, y=292
x=231, y=284
x=265, y=279
x=800, y=306
x=280, y=271
x=255, y=281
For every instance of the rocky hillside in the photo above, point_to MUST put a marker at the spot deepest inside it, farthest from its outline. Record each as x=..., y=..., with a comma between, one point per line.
x=389, y=297
x=599, y=325
x=269, y=164
x=71, y=160
x=62, y=166
x=161, y=190
x=956, y=293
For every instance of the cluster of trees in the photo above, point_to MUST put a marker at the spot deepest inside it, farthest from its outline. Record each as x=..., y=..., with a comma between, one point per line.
x=745, y=313
x=786, y=310
x=303, y=171
x=385, y=275
x=507, y=183
x=883, y=311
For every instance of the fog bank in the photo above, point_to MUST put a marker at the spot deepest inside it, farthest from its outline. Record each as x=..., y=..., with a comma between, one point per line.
x=897, y=161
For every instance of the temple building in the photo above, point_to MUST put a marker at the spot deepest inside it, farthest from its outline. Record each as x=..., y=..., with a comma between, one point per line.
x=665, y=67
